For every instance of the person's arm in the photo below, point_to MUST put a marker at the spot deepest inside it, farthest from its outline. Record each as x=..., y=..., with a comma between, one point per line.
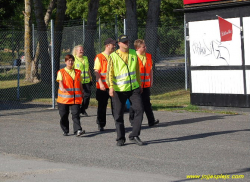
x=109, y=79
x=59, y=79
x=90, y=76
x=82, y=90
x=62, y=87
x=138, y=75
x=151, y=78
x=98, y=78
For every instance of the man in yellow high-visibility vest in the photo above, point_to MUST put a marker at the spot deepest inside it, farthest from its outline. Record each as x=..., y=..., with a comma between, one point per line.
x=124, y=83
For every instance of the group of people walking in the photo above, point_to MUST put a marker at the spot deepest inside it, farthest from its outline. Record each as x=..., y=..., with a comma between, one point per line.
x=124, y=74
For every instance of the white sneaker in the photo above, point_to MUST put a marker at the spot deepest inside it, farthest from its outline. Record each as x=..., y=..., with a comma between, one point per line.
x=80, y=132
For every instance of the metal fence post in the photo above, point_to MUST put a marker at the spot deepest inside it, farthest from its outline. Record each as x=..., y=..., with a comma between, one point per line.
x=124, y=23
x=100, y=47
x=83, y=31
x=186, y=79
x=53, y=64
x=33, y=40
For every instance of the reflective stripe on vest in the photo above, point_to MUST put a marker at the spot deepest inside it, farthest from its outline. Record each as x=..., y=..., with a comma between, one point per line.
x=148, y=80
x=124, y=82
x=125, y=75
x=71, y=89
x=73, y=94
x=145, y=71
x=103, y=70
x=124, y=78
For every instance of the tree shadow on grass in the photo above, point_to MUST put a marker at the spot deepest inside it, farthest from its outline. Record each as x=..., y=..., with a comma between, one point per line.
x=26, y=94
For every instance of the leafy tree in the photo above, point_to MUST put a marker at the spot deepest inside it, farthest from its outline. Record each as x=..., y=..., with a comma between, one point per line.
x=11, y=11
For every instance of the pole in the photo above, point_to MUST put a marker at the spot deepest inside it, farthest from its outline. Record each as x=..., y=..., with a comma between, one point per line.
x=33, y=40
x=18, y=88
x=124, y=22
x=53, y=64
x=100, y=46
x=185, y=34
x=83, y=32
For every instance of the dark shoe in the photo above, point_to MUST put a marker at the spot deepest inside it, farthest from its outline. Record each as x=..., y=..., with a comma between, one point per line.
x=100, y=128
x=85, y=114
x=65, y=134
x=80, y=132
x=120, y=142
x=136, y=140
x=155, y=123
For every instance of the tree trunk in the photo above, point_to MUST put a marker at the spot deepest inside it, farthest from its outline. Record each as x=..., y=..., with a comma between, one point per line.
x=91, y=31
x=27, y=41
x=60, y=14
x=151, y=37
x=35, y=65
x=51, y=7
x=131, y=22
x=43, y=55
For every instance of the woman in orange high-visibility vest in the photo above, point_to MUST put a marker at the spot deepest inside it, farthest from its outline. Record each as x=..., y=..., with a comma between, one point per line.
x=145, y=64
x=70, y=93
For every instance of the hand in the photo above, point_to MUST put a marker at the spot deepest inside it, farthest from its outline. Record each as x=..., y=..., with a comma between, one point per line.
x=102, y=87
x=63, y=90
x=111, y=92
x=141, y=89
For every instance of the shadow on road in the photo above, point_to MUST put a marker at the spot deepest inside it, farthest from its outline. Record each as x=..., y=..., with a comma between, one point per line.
x=193, y=137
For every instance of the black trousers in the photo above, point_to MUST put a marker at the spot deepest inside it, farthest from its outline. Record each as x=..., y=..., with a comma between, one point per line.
x=64, y=114
x=119, y=101
x=87, y=94
x=102, y=98
x=147, y=107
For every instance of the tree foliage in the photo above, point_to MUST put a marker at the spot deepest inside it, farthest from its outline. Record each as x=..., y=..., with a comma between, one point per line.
x=78, y=9
x=11, y=10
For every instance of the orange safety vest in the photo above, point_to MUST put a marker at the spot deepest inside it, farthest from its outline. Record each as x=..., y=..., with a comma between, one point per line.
x=73, y=87
x=103, y=71
x=145, y=71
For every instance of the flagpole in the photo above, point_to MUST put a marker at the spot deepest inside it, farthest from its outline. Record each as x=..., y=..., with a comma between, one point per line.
x=231, y=23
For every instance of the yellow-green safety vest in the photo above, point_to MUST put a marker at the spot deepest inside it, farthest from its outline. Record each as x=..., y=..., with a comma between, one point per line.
x=83, y=68
x=124, y=78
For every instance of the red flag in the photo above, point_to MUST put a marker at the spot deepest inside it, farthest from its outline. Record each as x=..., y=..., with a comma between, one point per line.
x=226, y=29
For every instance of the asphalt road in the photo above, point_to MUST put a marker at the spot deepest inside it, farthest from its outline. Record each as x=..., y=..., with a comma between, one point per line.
x=32, y=148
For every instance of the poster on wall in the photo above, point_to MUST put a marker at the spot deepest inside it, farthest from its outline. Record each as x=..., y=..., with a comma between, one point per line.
x=206, y=48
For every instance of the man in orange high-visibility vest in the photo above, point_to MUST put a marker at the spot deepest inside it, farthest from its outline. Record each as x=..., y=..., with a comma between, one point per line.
x=70, y=94
x=102, y=91
x=145, y=64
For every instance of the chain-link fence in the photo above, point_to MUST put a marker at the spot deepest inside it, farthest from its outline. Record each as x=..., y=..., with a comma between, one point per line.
x=33, y=82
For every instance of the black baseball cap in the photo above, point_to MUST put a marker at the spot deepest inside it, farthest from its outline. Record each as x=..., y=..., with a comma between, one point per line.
x=109, y=41
x=122, y=38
